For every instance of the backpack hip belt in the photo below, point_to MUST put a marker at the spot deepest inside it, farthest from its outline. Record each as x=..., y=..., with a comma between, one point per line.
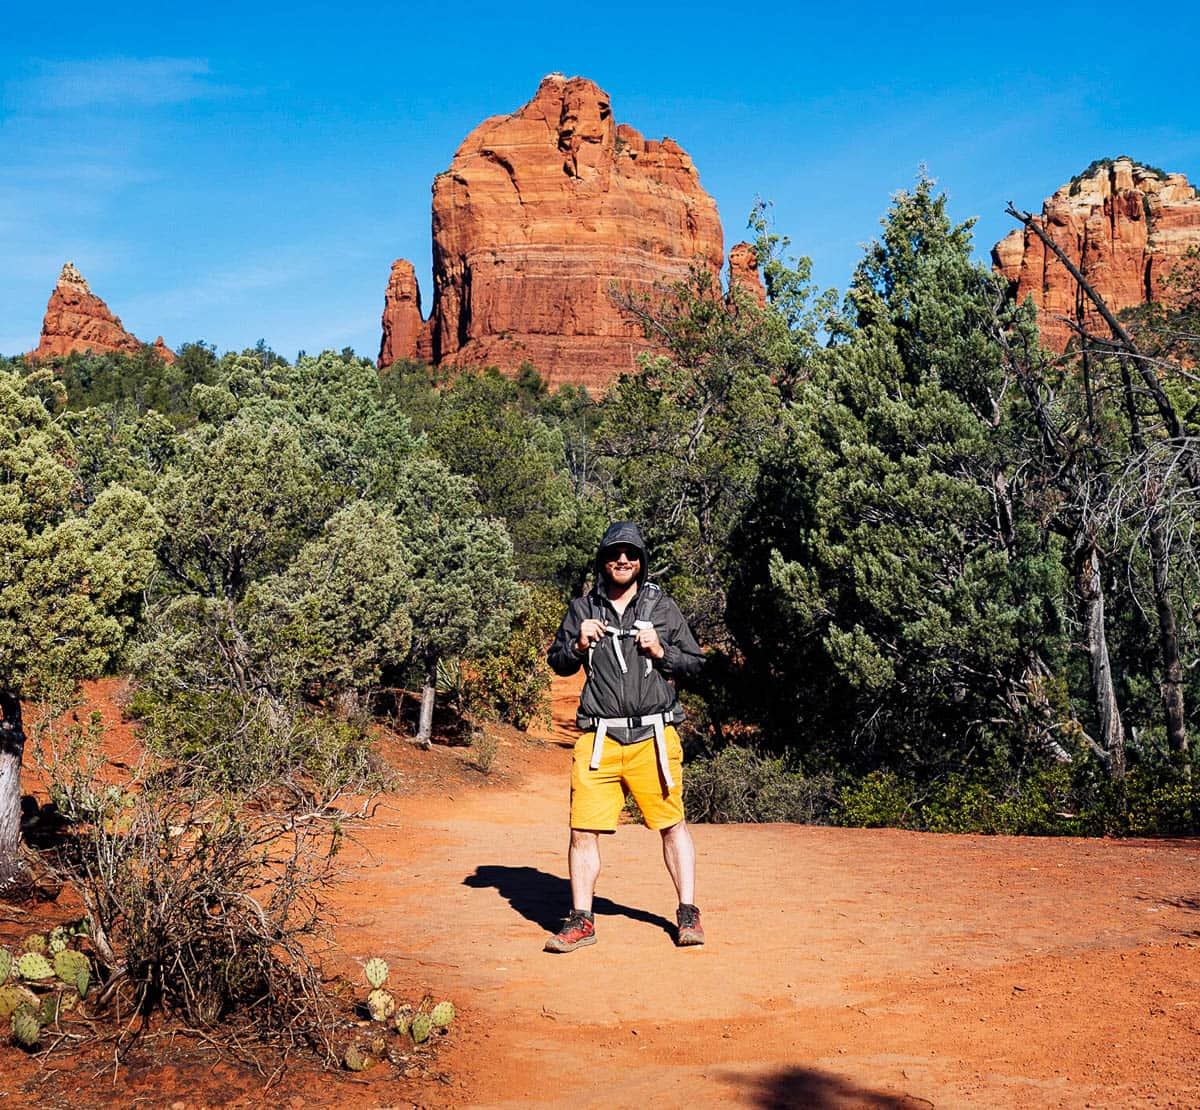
x=657, y=721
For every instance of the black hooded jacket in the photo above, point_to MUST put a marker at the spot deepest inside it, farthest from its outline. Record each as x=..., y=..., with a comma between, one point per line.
x=609, y=692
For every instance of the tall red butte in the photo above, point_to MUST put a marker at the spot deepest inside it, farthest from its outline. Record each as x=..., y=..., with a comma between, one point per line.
x=1124, y=225
x=539, y=216
x=77, y=320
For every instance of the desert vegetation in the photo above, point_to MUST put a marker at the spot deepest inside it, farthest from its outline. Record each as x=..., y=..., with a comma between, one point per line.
x=945, y=579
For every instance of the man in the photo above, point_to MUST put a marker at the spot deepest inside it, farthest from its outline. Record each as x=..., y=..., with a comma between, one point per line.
x=632, y=642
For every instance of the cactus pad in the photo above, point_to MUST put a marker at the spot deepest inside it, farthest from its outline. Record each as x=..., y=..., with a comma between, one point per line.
x=380, y=1005
x=35, y=942
x=58, y=939
x=69, y=964
x=6, y=965
x=356, y=1059
x=403, y=1023
x=376, y=972
x=25, y=1026
x=442, y=1014
x=12, y=997
x=51, y=1008
x=33, y=965
x=421, y=1028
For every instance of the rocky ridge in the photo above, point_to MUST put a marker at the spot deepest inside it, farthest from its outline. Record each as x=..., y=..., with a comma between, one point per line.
x=77, y=320
x=1125, y=225
x=541, y=214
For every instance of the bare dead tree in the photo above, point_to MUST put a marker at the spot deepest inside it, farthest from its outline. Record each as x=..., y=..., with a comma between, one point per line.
x=1132, y=362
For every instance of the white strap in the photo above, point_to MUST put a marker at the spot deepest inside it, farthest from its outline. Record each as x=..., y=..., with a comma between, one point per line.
x=603, y=724
x=598, y=743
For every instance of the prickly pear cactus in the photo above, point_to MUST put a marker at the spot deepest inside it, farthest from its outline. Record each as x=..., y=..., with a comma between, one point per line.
x=6, y=965
x=12, y=997
x=35, y=942
x=403, y=1023
x=33, y=965
x=376, y=972
x=380, y=1005
x=25, y=1026
x=51, y=1008
x=357, y=1058
x=421, y=1028
x=70, y=965
x=442, y=1014
x=58, y=939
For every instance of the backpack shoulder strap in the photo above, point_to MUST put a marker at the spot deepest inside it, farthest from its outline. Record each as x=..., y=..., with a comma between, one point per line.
x=647, y=598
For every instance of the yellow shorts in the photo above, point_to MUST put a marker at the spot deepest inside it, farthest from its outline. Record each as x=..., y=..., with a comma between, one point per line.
x=597, y=797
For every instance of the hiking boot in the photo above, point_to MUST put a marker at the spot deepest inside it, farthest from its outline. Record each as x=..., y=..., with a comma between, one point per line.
x=691, y=932
x=578, y=929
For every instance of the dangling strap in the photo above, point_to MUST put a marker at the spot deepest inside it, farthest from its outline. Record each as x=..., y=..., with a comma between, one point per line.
x=657, y=721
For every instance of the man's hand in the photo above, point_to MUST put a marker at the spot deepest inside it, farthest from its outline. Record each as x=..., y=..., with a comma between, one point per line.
x=591, y=632
x=649, y=644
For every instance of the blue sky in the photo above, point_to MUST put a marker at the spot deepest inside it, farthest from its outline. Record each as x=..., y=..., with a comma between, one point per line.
x=235, y=172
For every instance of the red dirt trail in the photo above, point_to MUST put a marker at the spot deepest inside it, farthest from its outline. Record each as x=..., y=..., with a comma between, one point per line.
x=844, y=968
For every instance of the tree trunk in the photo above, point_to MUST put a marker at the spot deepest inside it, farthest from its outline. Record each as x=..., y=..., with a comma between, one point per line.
x=12, y=747
x=428, y=692
x=1168, y=640
x=1091, y=603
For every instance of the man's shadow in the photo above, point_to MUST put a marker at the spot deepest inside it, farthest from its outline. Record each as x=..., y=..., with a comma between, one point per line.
x=545, y=899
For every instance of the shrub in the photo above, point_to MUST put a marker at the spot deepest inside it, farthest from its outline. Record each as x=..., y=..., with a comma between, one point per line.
x=197, y=905
x=1160, y=803
x=738, y=784
x=516, y=680
x=879, y=800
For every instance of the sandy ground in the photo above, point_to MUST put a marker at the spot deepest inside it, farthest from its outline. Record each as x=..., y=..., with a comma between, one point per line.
x=844, y=968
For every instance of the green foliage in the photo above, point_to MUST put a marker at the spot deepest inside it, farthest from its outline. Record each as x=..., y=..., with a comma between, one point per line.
x=68, y=572
x=886, y=610
x=206, y=697
x=681, y=438
x=880, y=799
x=515, y=679
x=464, y=589
x=129, y=386
x=1160, y=803
x=340, y=612
x=738, y=784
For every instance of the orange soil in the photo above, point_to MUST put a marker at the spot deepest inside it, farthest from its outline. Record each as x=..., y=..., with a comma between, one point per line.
x=844, y=968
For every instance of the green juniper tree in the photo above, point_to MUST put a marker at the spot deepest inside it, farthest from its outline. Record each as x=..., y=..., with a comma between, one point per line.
x=70, y=574
x=890, y=590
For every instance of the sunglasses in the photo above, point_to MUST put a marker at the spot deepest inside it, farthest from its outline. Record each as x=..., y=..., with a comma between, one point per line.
x=630, y=554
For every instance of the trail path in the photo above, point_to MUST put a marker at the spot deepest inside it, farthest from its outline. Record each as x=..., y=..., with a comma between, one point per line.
x=844, y=968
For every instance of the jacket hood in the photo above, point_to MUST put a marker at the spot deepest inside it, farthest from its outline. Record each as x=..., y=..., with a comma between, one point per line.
x=626, y=532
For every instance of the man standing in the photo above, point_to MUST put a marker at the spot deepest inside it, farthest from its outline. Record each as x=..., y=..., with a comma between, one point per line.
x=632, y=642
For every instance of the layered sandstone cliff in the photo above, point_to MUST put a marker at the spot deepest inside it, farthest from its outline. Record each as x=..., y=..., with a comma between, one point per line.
x=542, y=214
x=1124, y=225
x=77, y=320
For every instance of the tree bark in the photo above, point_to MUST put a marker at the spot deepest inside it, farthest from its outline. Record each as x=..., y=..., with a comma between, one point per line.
x=1168, y=640
x=12, y=747
x=1104, y=696
x=428, y=693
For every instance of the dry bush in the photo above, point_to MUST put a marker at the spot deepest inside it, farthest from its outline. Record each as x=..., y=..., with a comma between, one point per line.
x=202, y=907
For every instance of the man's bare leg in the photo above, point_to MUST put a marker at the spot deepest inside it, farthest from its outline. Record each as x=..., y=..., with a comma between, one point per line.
x=679, y=853
x=583, y=860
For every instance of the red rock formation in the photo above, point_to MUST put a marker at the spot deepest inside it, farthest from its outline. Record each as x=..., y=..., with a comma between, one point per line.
x=405, y=334
x=1125, y=226
x=540, y=214
x=77, y=320
x=744, y=273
